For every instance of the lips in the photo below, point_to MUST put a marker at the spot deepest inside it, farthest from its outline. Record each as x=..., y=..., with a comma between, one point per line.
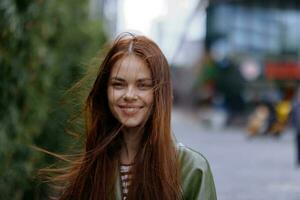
x=130, y=110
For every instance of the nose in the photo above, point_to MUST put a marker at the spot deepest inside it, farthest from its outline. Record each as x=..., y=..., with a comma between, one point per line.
x=130, y=94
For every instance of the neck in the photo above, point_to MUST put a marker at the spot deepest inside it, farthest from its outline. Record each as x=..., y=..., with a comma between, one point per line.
x=132, y=138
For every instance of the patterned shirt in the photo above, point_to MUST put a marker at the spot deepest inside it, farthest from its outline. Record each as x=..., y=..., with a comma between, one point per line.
x=126, y=176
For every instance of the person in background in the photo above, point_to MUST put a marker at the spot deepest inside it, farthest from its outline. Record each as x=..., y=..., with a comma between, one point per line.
x=296, y=123
x=129, y=149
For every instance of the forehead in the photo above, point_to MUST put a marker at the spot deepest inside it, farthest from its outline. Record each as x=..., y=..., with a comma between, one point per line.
x=131, y=66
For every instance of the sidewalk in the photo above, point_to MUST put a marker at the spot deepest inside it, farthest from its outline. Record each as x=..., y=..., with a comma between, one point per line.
x=244, y=168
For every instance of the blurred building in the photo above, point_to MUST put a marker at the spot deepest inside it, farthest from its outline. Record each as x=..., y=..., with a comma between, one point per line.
x=263, y=38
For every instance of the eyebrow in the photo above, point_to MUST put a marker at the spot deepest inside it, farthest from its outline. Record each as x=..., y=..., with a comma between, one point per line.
x=117, y=79
x=122, y=80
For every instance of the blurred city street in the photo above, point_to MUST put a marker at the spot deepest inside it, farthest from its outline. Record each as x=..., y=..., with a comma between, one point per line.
x=244, y=168
x=233, y=62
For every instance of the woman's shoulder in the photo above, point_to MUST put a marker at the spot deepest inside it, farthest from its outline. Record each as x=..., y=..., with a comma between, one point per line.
x=189, y=157
x=196, y=177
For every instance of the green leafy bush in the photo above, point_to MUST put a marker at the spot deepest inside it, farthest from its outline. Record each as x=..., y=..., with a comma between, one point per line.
x=43, y=45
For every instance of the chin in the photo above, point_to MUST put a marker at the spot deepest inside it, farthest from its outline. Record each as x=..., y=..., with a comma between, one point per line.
x=131, y=124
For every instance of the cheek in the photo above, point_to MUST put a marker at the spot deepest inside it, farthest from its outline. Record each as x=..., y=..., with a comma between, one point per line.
x=149, y=98
x=112, y=99
x=112, y=95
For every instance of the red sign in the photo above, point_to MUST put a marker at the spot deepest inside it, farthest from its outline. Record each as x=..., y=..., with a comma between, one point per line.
x=282, y=70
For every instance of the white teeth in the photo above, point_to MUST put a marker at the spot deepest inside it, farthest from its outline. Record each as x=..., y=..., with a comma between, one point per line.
x=131, y=109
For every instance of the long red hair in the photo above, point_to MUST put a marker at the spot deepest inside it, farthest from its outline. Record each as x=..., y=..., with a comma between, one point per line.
x=93, y=175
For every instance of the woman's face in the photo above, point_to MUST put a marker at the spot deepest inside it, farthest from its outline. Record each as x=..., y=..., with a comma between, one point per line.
x=130, y=91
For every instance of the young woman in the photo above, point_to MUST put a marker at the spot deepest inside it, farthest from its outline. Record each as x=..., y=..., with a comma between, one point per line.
x=130, y=152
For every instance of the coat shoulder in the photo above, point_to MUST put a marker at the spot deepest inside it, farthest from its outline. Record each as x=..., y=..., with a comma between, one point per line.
x=191, y=158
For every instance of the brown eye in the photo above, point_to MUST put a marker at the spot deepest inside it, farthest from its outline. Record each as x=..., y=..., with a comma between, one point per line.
x=117, y=85
x=144, y=86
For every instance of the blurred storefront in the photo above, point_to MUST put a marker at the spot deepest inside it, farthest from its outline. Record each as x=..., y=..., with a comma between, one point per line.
x=262, y=38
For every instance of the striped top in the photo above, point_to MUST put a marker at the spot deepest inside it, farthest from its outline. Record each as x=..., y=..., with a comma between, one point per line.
x=125, y=175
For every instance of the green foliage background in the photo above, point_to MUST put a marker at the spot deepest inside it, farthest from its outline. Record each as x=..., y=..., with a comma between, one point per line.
x=42, y=47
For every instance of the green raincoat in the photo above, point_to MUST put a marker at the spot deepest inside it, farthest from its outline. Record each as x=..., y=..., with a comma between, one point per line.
x=196, y=178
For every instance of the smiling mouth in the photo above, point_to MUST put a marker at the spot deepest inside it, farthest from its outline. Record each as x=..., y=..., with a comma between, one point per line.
x=130, y=110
